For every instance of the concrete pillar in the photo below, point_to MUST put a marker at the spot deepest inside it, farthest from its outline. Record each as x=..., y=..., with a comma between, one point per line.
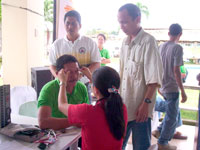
x=22, y=39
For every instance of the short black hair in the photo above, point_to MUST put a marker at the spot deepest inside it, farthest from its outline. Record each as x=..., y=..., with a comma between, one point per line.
x=100, y=34
x=73, y=13
x=65, y=59
x=132, y=9
x=175, y=29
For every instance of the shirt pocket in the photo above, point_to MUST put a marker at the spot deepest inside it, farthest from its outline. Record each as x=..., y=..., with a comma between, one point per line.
x=134, y=69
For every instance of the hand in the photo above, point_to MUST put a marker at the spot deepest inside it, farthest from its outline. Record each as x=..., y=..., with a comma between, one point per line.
x=184, y=97
x=63, y=76
x=183, y=75
x=86, y=72
x=142, y=112
x=102, y=58
x=198, y=78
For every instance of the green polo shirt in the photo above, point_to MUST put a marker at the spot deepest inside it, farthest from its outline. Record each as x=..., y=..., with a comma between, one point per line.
x=104, y=53
x=49, y=96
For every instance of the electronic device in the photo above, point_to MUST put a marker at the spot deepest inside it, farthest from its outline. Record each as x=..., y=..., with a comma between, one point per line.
x=39, y=77
x=5, y=105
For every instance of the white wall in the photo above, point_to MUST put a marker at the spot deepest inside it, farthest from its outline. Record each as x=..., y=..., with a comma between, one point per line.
x=22, y=40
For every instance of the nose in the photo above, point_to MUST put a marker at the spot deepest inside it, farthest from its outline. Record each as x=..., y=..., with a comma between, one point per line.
x=74, y=76
x=69, y=26
x=122, y=26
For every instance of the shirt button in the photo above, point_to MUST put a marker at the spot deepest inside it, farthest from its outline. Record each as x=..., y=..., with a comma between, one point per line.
x=123, y=89
x=125, y=68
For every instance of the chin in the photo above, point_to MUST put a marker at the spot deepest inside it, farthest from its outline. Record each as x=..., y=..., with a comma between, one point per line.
x=72, y=84
x=126, y=32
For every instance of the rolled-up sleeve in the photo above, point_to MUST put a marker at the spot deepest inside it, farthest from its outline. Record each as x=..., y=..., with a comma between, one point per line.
x=153, y=69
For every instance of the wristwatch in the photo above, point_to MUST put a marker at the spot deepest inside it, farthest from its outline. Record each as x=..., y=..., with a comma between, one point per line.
x=147, y=100
x=62, y=83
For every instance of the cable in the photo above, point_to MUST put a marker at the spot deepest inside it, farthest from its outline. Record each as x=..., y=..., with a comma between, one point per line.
x=23, y=9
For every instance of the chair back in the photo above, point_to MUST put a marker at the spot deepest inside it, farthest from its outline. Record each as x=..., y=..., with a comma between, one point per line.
x=29, y=109
x=20, y=95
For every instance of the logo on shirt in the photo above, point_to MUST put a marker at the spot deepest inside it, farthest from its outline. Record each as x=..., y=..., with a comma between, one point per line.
x=82, y=50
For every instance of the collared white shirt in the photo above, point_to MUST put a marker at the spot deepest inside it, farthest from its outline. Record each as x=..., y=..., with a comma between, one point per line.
x=140, y=64
x=84, y=49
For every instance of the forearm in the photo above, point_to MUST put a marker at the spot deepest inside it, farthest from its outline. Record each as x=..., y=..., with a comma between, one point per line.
x=151, y=89
x=53, y=70
x=105, y=61
x=94, y=66
x=177, y=74
x=62, y=100
x=53, y=123
x=89, y=76
x=142, y=111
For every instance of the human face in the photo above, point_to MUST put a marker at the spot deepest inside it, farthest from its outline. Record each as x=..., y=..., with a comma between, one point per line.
x=73, y=68
x=129, y=25
x=72, y=26
x=101, y=40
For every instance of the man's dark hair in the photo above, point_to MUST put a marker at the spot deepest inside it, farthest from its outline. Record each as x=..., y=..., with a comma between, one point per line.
x=73, y=13
x=132, y=9
x=100, y=34
x=64, y=59
x=175, y=29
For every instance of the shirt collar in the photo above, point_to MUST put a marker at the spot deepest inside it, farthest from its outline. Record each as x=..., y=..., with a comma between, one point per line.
x=58, y=82
x=78, y=39
x=137, y=38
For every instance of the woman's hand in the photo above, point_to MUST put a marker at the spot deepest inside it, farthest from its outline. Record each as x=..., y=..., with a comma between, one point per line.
x=86, y=72
x=63, y=76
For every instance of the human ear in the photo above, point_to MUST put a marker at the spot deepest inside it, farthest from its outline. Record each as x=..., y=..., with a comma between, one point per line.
x=95, y=91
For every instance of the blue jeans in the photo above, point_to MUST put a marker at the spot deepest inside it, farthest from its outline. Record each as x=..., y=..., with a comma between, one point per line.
x=141, y=135
x=170, y=121
x=160, y=106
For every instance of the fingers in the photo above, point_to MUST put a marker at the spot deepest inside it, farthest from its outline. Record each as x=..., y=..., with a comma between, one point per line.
x=85, y=70
x=67, y=75
x=63, y=76
x=141, y=117
x=183, y=100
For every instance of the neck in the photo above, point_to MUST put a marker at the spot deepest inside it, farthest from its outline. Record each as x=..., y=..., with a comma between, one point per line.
x=100, y=47
x=72, y=37
x=69, y=90
x=174, y=39
x=134, y=34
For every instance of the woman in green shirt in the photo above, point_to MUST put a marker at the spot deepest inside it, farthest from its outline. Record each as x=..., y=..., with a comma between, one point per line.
x=105, y=57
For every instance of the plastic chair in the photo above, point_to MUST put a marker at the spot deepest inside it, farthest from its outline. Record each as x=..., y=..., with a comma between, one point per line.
x=20, y=95
x=29, y=109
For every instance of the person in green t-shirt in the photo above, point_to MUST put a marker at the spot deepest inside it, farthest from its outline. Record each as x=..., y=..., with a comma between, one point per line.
x=105, y=57
x=184, y=73
x=49, y=115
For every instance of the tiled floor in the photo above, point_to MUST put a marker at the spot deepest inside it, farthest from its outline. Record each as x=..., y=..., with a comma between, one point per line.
x=181, y=144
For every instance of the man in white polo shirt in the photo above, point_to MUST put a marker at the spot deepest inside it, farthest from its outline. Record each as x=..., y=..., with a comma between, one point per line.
x=83, y=48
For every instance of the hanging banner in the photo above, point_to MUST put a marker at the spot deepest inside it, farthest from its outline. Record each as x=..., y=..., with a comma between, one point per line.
x=61, y=7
